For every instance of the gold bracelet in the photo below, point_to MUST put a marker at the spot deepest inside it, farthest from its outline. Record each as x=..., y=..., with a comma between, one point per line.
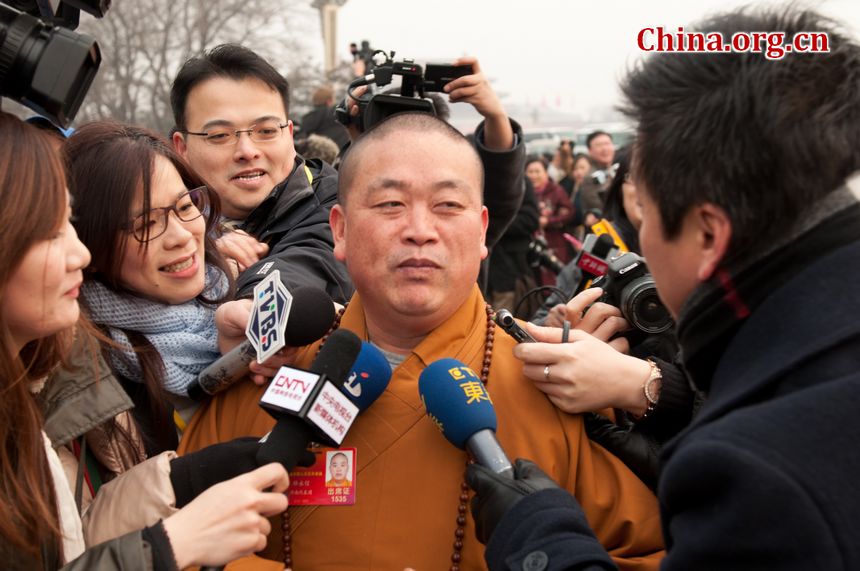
x=654, y=375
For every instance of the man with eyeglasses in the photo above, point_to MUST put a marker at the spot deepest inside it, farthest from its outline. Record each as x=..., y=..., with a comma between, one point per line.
x=231, y=111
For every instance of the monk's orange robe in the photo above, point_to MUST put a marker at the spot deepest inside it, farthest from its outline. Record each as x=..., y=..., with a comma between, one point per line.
x=408, y=476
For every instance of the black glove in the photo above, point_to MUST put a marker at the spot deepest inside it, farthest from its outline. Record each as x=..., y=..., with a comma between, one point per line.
x=495, y=494
x=638, y=451
x=195, y=472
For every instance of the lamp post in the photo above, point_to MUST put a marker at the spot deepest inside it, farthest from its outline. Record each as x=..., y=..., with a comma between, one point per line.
x=328, y=24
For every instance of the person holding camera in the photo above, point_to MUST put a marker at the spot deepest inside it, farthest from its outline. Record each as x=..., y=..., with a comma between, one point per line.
x=41, y=527
x=766, y=309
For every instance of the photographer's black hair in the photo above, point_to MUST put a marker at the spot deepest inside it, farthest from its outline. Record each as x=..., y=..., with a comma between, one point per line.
x=416, y=122
x=613, y=204
x=593, y=135
x=763, y=139
x=227, y=60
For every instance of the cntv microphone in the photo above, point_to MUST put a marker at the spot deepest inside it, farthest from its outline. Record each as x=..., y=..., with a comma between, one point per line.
x=301, y=322
x=321, y=404
x=459, y=405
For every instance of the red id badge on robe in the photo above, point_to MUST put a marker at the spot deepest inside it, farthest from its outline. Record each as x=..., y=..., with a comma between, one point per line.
x=329, y=482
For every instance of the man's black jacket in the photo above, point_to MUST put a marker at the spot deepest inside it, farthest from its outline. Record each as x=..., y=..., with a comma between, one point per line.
x=293, y=221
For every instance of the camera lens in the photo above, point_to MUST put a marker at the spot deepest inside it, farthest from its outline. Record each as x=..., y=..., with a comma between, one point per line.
x=47, y=68
x=642, y=307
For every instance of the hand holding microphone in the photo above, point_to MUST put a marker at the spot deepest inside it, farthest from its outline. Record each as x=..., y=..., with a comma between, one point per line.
x=496, y=494
x=461, y=408
x=273, y=323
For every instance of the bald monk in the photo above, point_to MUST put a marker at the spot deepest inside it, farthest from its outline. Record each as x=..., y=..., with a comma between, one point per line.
x=410, y=227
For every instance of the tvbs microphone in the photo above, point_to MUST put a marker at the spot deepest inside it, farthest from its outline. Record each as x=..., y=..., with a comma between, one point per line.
x=307, y=318
x=459, y=405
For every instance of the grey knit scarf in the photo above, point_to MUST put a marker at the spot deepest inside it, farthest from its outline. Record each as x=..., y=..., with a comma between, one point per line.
x=184, y=334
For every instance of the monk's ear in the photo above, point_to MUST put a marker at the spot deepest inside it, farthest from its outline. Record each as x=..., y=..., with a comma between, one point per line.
x=485, y=221
x=337, y=221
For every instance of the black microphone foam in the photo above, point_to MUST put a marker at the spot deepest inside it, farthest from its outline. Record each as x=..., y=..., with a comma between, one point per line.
x=603, y=245
x=311, y=315
x=337, y=355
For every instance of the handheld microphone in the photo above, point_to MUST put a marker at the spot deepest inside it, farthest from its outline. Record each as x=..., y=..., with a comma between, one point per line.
x=369, y=377
x=309, y=405
x=593, y=259
x=459, y=405
x=310, y=316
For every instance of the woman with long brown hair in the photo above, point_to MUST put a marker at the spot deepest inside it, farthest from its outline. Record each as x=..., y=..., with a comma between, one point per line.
x=41, y=263
x=156, y=276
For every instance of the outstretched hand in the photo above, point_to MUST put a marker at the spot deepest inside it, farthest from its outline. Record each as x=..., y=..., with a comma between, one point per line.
x=476, y=90
x=228, y=520
x=585, y=374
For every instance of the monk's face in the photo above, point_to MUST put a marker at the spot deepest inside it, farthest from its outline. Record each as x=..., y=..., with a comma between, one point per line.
x=339, y=467
x=412, y=229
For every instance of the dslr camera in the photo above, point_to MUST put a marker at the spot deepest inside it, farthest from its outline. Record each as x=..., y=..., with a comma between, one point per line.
x=44, y=64
x=415, y=82
x=541, y=255
x=628, y=286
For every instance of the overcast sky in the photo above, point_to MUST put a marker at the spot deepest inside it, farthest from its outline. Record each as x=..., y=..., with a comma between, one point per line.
x=553, y=53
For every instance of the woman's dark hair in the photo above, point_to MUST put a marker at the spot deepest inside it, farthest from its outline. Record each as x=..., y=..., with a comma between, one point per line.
x=108, y=164
x=613, y=206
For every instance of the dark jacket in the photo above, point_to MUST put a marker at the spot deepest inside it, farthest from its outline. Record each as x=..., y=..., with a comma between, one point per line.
x=771, y=461
x=509, y=260
x=504, y=188
x=765, y=476
x=320, y=121
x=293, y=221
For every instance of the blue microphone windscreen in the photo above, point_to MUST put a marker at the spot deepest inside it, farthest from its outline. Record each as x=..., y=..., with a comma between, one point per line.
x=456, y=400
x=369, y=377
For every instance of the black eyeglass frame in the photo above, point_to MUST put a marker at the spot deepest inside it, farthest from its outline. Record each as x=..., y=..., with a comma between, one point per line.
x=201, y=206
x=235, y=135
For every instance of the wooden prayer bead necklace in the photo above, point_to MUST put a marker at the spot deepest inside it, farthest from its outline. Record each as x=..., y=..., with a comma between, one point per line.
x=463, y=505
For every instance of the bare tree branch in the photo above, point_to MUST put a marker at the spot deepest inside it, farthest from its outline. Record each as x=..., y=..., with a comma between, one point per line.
x=144, y=42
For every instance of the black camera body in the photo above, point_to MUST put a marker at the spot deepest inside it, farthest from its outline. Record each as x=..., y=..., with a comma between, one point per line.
x=628, y=286
x=541, y=255
x=415, y=82
x=43, y=63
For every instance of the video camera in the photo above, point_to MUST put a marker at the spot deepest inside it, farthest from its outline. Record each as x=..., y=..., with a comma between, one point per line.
x=43, y=63
x=416, y=81
x=628, y=286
